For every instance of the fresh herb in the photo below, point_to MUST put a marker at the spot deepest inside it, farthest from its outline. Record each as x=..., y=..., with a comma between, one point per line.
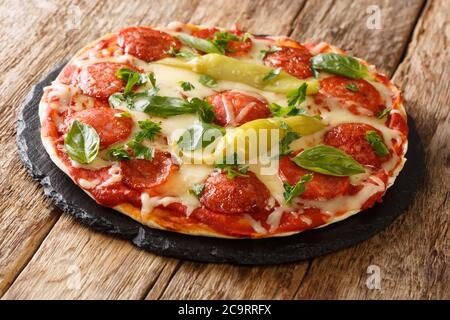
x=341, y=65
x=207, y=81
x=197, y=43
x=186, y=54
x=125, y=114
x=186, y=86
x=298, y=95
x=272, y=49
x=132, y=78
x=328, y=160
x=149, y=130
x=377, y=143
x=286, y=141
x=199, y=136
x=280, y=111
x=162, y=106
x=82, y=142
x=383, y=113
x=197, y=189
x=294, y=191
x=233, y=168
x=119, y=153
x=245, y=37
x=140, y=151
x=222, y=39
x=272, y=74
x=352, y=87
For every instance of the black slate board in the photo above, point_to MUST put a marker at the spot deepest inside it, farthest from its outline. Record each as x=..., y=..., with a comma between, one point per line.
x=71, y=199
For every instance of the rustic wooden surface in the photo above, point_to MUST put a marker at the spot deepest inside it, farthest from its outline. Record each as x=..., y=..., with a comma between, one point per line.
x=45, y=254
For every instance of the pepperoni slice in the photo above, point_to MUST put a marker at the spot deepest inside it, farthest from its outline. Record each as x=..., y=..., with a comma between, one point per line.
x=145, y=174
x=237, y=195
x=68, y=74
x=398, y=122
x=321, y=187
x=235, y=108
x=351, y=138
x=146, y=43
x=111, y=129
x=234, y=48
x=99, y=80
x=366, y=100
x=292, y=60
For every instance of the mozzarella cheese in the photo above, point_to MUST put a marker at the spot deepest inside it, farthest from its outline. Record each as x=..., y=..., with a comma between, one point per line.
x=191, y=172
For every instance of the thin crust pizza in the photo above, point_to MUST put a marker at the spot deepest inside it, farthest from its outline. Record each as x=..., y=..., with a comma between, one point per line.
x=214, y=132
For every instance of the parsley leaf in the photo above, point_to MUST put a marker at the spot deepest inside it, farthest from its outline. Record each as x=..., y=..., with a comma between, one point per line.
x=272, y=49
x=280, y=111
x=197, y=189
x=298, y=95
x=221, y=40
x=352, y=87
x=286, y=141
x=149, y=130
x=233, y=169
x=140, y=151
x=186, y=54
x=383, y=113
x=272, y=74
x=207, y=81
x=123, y=115
x=132, y=78
x=294, y=191
x=377, y=143
x=119, y=153
x=186, y=86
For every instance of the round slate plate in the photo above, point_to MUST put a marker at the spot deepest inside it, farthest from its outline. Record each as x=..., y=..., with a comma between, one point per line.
x=71, y=199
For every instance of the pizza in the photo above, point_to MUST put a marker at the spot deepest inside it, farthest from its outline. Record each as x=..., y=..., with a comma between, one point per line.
x=219, y=132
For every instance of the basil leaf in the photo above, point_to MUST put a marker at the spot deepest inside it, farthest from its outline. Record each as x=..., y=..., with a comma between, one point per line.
x=199, y=136
x=383, y=113
x=341, y=65
x=352, y=87
x=207, y=81
x=328, y=160
x=82, y=142
x=119, y=153
x=297, y=96
x=186, y=86
x=377, y=143
x=140, y=151
x=296, y=190
x=272, y=74
x=167, y=106
x=197, y=189
x=198, y=43
x=186, y=54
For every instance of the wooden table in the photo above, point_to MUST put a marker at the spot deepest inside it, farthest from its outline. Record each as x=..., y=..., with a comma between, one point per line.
x=46, y=254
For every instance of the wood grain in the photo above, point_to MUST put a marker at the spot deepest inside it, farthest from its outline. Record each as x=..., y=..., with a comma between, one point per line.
x=414, y=253
x=343, y=24
x=45, y=255
x=55, y=43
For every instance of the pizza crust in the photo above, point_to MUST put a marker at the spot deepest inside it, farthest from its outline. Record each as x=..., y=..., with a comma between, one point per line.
x=156, y=218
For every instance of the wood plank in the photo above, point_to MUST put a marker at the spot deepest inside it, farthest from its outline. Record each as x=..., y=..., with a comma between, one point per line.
x=118, y=270
x=345, y=24
x=334, y=22
x=414, y=253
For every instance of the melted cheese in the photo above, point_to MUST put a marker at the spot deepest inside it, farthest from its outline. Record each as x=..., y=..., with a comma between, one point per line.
x=177, y=189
